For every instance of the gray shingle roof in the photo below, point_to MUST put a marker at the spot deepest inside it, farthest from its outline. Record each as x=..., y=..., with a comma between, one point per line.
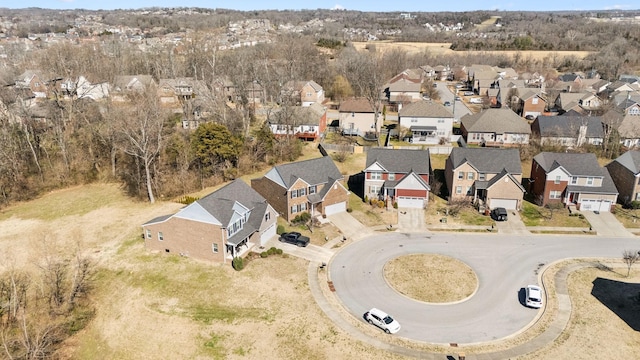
x=576, y=164
x=568, y=126
x=220, y=202
x=630, y=160
x=487, y=160
x=313, y=171
x=425, y=108
x=497, y=121
x=400, y=160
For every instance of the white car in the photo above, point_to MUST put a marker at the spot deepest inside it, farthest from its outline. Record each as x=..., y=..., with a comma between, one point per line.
x=533, y=296
x=475, y=100
x=382, y=320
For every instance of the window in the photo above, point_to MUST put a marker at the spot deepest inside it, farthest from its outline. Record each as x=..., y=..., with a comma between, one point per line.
x=148, y=234
x=414, y=120
x=294, y=209
x=574, y=180
x=298, y=208
x=160, y=236
x=302, y=192
x=555, y=194
x=589, y=181
x=481, y=176
x=374, y=189
x=440, y=121
x=460, y=175
x=214, y=247
x=634, y=111
x=557, y=180
x=392, y=176
x=376, y=175
x=534, y=101
x=267, y=216
x=470, y=176
x=294, y=194
x=312, y=189
x=458, y=189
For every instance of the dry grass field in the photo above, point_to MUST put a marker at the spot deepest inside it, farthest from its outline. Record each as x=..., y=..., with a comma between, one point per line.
x=444, y=49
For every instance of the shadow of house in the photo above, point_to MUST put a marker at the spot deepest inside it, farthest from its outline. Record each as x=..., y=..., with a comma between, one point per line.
x=355, y=183
x=623, y=299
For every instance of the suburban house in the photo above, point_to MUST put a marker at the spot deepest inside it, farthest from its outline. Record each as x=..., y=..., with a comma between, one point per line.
x=313, y=186
x=356, y=117
x=495, y=127
x=531, y=103
x=403, y=91
x=573, y=180
x=625, y=172
x=398, y=176
x=568, y=130
x=305, y=123
x=82, y=88
x=303, y=93
x=222, y=225
x=33, y=82
x=174, y=91
x=429, y=122
x=625, y=119
x=581, y=102
x=488, y=178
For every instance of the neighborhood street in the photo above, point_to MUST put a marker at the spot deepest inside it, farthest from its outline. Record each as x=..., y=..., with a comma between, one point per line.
x=503, y=263
x=458, y=108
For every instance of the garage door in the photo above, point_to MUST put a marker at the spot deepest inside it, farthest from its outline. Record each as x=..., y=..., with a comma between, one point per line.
x=410, y=202
x=335, y=208
x=595, y=205
x=509, y=204
x=268, y=234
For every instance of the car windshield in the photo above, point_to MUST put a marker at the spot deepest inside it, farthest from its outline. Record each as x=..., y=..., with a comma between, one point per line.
x=534, y=299
x=388, y=320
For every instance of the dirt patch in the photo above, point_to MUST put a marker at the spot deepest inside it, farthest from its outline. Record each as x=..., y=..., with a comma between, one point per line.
x=431, y=278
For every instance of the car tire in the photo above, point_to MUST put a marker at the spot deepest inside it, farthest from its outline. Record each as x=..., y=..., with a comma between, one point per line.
x=387, y=331
x=300, y=245
x=369, y=321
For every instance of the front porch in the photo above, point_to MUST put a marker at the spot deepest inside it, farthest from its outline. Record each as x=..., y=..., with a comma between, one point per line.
x=238, y=250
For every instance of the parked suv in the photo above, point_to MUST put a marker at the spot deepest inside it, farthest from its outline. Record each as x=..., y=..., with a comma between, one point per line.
x=295, y=238
x=499, y=214
x=382, y=320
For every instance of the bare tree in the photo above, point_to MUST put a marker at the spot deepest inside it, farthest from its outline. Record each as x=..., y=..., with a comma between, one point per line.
x=630, y=257
x=142, y=133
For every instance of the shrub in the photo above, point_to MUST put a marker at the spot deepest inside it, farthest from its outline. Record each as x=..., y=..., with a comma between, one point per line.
x=272, y=251
x=188, y=199
x=279, y=251
x=381, y=203
x=366, y=199
x=395, y=205
x=349, y=209
x=302, y=218
x=280, y=229
x=264, y=254
x=237, y=263
x=635, y=204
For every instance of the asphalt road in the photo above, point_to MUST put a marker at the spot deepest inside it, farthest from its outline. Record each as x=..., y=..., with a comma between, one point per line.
x=458, y=108
x=504, y=264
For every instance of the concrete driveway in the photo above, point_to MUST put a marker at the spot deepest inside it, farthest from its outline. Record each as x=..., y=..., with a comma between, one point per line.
x=411, y=220
x=513, y=225
x=350, y=227
x=606, y=224
x=310, y=252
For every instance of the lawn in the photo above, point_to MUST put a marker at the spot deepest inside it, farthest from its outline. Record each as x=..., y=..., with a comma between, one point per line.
x=629, y=218
x=534, y=215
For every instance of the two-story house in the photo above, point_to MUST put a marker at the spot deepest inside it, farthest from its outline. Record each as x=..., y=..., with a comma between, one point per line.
x=33, y=82
x=495, y=127
x=573, y=180
x=357, y=117
x=303, y=93
x=624, y=118
x=313, y=186
x=218, y=227
x=625, y=172
x=305, y=123
x=489, y=178
x=568, y=130
x=531, y=103
x=398, y=176
x=429, y=122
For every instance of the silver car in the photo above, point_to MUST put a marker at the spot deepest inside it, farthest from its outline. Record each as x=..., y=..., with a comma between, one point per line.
x=382, y=320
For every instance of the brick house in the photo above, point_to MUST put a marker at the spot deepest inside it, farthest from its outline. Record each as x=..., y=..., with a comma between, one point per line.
x=573, y=180
x=305, y=123
x=313, y=186
x=398, y=176
x=625, y=172
x=222, y=225
x=488, y=178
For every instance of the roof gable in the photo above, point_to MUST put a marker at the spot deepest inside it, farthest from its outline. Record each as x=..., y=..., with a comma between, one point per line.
x=313, y=172
x=487, y=160
x=498, y=121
